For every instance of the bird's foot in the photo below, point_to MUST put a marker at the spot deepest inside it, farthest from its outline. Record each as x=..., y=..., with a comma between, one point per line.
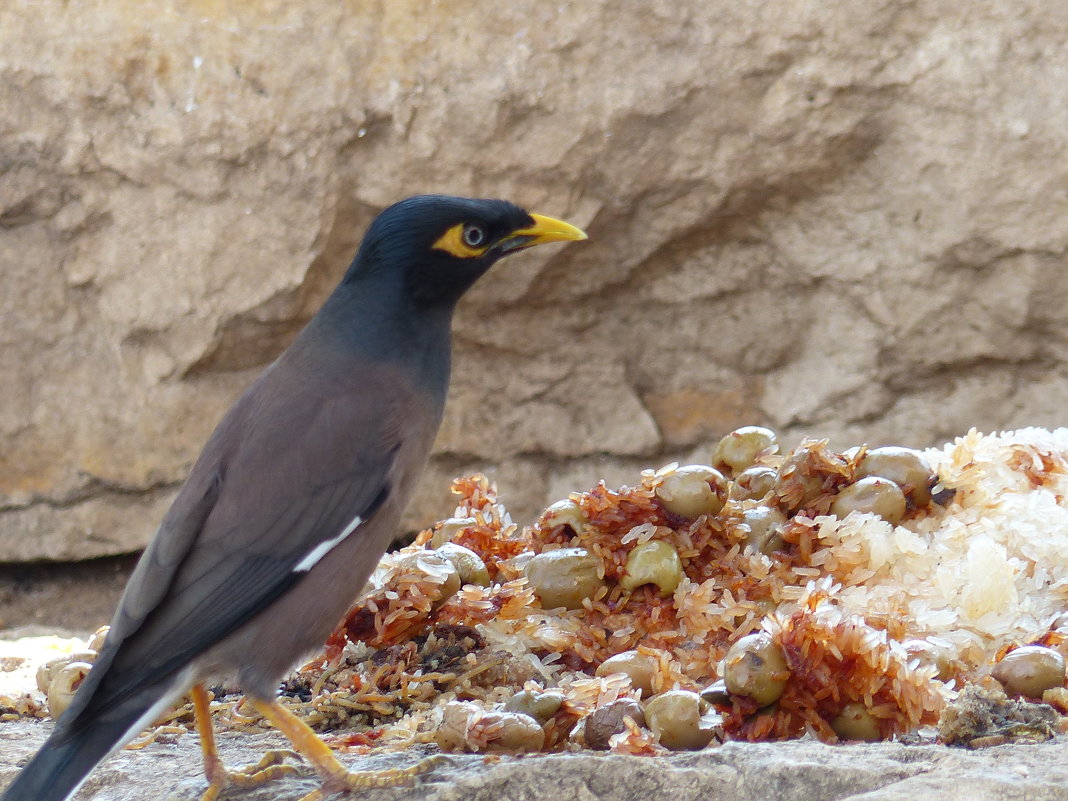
x=272, y=766
x=344, y=781
x=336, y=777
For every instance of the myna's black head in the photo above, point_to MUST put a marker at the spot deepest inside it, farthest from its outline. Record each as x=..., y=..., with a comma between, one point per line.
x=438, y=246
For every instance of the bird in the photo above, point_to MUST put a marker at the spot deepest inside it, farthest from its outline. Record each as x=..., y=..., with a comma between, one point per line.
x=295, y=497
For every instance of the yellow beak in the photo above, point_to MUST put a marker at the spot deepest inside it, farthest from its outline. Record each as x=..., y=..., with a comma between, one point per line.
x=545, y=229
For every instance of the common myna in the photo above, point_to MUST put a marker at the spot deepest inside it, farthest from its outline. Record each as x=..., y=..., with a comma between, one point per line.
x=295, y=497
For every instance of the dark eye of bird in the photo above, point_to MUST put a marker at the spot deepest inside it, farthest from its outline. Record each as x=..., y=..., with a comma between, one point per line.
x=474, y=235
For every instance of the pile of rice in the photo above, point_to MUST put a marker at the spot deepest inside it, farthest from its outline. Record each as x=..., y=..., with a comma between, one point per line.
x=982, y=573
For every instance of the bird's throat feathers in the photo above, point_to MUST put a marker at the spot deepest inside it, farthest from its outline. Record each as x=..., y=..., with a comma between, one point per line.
x=370, y=324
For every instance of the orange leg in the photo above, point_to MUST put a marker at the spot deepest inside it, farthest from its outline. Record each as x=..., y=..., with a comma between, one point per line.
x=219, y=778
x=336, y=778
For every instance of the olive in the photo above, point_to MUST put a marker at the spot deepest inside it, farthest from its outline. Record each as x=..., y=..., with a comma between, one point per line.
x=565, y=513
x=96, y=642
x=638, y=667
x=607, y=720
x=44, y=674
x=798, y=483
x=753, y=483
x=465, y=726
x=765, y=527
x=469, y=565
x=449, y=529
x=653, y=562
x=539, y=705
x=1030, y=671
x=905, y=467
x=692, y=491
x=517, y=565
x=676, y=719
x=48, y=671
x=716, y=693
x=855, y=722
x=740, y=448
x=433, y=565
x=755, y=667
x=929, y=653
x=564, y=577
x=873, y=495
x=514, y=731
x=451, y=733
x=64, y=684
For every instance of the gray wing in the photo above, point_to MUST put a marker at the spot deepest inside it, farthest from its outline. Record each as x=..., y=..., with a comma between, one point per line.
x=289, y=467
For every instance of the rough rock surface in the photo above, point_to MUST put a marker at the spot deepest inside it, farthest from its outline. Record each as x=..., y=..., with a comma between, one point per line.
x=843, y=219
x=793, y=771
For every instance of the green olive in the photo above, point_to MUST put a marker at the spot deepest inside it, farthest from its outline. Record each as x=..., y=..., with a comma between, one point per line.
x=740, y=448
x=510, y=731
x=716, y=693
x=516, y=566
x=929, y=653
x=565, y=513
x=638, y=667
x=49, y=670
x=64, y=684
x=516, y=732
x=469, y=565
x=606, y=720
x=1030, y=671
x=855, y=722
x=755, y=667
x=435, y=566
x=873, y=495
x=451, y=733
x=676, y=718
x=798, y=484
x=753, y=483
x=692, y=491
x=539, y=705
x=905, y=467
x=765, y=529
x=44, y=674
x=564, y=577
x=96, y=642
x=653, y=562
x=447, y=530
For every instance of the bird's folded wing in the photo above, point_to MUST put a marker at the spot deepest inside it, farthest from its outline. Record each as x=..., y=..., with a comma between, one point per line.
x=249, y=524
x=215, y=593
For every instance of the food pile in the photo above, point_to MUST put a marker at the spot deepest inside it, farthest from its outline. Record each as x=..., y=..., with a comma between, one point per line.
x=863, y=595
x=765, y=595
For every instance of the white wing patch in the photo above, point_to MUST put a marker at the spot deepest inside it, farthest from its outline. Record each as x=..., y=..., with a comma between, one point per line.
x=325, y=547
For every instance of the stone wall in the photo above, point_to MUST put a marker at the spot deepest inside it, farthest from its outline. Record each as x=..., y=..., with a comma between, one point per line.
x=840, y=219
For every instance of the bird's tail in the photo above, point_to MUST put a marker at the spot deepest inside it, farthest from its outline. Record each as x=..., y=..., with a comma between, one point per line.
x=70, y=754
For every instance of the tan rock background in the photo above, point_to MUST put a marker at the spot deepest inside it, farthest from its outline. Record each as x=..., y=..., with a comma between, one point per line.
x=846, y=219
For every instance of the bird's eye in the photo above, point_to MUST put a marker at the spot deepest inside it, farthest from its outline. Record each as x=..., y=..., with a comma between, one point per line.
x=474, y=235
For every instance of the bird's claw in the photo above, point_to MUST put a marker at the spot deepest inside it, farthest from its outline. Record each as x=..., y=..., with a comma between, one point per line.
x=270, y=767
x=353, y=781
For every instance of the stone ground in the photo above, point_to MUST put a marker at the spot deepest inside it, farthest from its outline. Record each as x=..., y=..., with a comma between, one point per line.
x=793, y=771
x=805, y=771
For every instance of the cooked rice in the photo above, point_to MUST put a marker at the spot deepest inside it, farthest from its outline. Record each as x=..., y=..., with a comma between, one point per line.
x=985, y=572
x=982, y=573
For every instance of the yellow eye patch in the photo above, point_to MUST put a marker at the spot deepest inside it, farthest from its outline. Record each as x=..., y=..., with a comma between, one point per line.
x=452, y=242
